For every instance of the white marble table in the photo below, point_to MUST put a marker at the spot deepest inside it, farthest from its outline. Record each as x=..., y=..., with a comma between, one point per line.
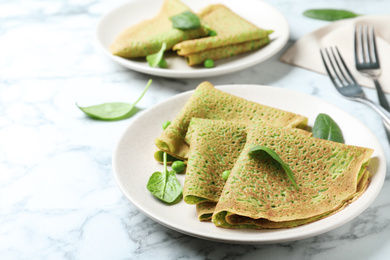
x=58, y=195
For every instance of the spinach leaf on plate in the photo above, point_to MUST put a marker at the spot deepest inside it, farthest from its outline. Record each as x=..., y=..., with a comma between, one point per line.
x=164, y=185
x=185, y=20
x=326, y=128
x=157, y=59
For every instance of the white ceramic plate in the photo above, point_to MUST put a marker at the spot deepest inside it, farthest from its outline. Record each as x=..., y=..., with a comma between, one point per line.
x=133, y=163
x=255, y=11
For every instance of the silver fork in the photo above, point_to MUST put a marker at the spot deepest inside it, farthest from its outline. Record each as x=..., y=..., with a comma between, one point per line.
x=346, y=84
x=367, y=61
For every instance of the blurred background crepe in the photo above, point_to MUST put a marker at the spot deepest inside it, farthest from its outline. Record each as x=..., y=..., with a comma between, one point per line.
x=211, y=103
x=234, y=35
x=147, y=36
x=258, y=193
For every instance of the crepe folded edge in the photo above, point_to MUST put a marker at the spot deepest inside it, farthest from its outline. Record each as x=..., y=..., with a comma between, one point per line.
x=235, y=35
x=205, y=210
x=147, y=37
x=234, y=219
x=225, y=51
x=229, y=27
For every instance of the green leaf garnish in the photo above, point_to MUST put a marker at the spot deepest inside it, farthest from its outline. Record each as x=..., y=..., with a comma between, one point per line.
x=276, y=157
x=157, y=59
x=326, y=128
x=113, y=111
x=329, y=14
x=210, y=31
x=164, y=185
x=185, y=20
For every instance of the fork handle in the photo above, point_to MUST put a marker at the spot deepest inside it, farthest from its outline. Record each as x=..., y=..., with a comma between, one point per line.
x=381, y=96
x=380, y=110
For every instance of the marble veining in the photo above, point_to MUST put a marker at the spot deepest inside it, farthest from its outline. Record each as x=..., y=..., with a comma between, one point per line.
x=58, y=196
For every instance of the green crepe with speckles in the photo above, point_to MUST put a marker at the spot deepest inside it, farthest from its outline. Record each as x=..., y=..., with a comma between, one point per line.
x=225, y=51
x=205, y=210
x=214, y=148
x=147, y=36
x=258, y=193
x=210, y=103
x=235, y=35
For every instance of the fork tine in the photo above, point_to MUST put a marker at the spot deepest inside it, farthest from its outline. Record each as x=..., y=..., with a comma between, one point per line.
x=365, y=44
x=337, y=71
x=345, y=67
x=373, y=51
x=358, y=42
x=327, y=68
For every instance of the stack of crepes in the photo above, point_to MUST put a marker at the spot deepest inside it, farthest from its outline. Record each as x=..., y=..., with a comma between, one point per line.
x=211, y=103
x=235, y=35
x=215, y=131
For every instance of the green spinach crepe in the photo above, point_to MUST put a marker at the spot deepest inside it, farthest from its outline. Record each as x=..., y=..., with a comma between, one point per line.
x=148, y=36
x=215, y=147
x=258, y=193
x=205, y=210
x=225, y=51
x=210, y=103
x=235, y=35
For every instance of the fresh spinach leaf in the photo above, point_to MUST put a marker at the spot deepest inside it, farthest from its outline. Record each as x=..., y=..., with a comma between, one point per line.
x=326, y=128
x=185, y=20
x=329, y=14
x=275, y=156
x=164, y=185
x=210, y=31
x=113, y=111
x=157, y=59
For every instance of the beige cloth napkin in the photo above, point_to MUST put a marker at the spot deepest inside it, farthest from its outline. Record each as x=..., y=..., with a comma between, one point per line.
x=305, y=52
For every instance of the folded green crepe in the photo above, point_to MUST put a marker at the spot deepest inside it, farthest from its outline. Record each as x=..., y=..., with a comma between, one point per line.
x=205, y=210
x=147, y=36
x=225, y=51
x=210, y=103
x=258, y=194
x=215, y=147
x=230, y=27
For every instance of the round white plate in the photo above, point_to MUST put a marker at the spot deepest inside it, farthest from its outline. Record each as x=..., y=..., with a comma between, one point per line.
x=255, y=11
x=133, y=164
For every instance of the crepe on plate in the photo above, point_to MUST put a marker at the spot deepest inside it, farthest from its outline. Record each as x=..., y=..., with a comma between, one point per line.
x=205, y=210
x=258, y=193
x=235, y=35
x=210, y=103
x=214, y=148
x=148, y=36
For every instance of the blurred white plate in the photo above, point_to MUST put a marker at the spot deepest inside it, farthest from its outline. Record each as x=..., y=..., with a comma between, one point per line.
x=133, y=163
x=255, y=11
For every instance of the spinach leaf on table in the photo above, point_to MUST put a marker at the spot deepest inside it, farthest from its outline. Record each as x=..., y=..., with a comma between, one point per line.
x=275, y=156
x=329, y=14
x=113, y=111
x=326, y=128
x=164, y=185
